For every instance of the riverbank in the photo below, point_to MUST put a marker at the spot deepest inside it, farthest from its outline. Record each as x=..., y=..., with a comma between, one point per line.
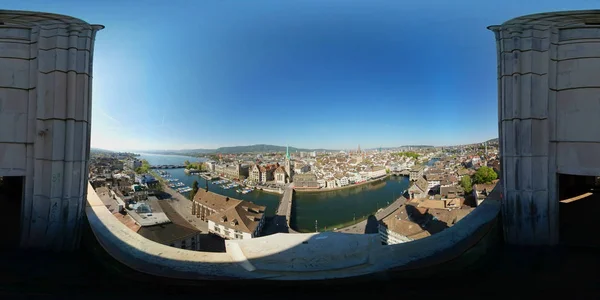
x=303, y=190
x=271, y=191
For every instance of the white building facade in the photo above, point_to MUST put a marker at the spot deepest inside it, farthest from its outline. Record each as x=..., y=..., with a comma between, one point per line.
x=389, y=237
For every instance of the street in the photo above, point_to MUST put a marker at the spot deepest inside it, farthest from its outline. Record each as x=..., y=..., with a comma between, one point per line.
x=183, y=207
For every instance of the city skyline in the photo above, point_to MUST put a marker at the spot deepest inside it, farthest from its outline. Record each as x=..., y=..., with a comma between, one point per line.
x=301, y=73
x=296, y=147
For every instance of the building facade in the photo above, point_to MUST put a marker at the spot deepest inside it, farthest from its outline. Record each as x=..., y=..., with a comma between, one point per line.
x=241, y=220
x=255, y=174
x=416, y=172
x=377, y=172
x=307, y=180
x=280, y=175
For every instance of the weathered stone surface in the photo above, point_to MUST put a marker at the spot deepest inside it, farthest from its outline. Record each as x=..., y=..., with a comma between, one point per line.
x=14, y=33
x=578, y=158
x=14, y=73
x=52, y=95
x=575, y=109
x=569, y=34
x=12, y=159
x=14, y=50
x=306, y=252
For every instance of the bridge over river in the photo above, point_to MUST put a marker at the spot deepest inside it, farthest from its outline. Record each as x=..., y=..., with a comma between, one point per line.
x=283, y=216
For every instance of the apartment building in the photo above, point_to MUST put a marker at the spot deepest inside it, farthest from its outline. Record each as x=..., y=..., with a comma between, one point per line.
x=377, y=172
x=416, y=172
x=307, y=180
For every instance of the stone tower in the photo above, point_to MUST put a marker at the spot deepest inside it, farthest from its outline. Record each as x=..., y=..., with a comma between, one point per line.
x=288, y=164
x=548, y=112
x=46, y=84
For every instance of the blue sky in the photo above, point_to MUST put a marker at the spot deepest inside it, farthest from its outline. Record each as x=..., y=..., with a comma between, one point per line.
x=313, y=73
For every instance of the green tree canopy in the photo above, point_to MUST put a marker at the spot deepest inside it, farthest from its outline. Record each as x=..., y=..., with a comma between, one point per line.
x=145, y=168
x=194, y=189
x=410, y=154
x=485, y=175
x=465, y=183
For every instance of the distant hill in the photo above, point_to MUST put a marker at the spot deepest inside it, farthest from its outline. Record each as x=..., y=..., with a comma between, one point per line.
x=181, y=152
x=98, y=150
x=236, y=149
x=417, y=146
x=262, y=148
x=492, y=141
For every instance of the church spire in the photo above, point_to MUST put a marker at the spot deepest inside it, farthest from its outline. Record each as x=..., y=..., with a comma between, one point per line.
x=287, y=152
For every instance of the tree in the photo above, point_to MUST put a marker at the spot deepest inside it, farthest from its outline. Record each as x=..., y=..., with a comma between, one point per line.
x=466, y=184
x=145, y=168
x=485, y=175
x=194, y=189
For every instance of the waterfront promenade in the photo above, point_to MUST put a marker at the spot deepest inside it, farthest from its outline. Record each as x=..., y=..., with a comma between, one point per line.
x=361, y=227
x=311, y=190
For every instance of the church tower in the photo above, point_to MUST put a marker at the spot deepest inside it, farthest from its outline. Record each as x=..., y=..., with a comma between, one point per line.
x=288, y=164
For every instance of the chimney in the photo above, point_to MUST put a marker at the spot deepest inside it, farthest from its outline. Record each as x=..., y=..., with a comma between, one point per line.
x=227, y=199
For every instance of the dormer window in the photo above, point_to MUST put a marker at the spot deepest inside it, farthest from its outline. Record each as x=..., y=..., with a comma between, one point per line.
x=223, y=219
x=234, y=222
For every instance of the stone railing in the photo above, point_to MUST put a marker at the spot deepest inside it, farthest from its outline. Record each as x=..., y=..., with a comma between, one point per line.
x=288, y=256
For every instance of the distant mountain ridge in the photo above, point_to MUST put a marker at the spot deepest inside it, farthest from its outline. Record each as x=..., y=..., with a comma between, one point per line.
x=239, y=149
x=98, y=150
x=262, y=148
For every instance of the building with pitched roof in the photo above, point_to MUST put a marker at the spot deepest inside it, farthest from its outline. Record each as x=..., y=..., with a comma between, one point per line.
x=241, y=221
x=227, y=217
x=419, y=189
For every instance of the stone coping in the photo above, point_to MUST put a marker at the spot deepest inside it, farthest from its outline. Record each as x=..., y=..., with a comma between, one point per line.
x=558, y=18
x=28, y=18
x=357, y=255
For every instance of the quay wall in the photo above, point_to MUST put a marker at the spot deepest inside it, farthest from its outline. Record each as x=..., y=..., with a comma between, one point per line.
x=309, y=190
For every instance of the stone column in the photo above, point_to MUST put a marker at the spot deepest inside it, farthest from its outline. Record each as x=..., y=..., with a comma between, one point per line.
x=54, y=78
x=523, y=77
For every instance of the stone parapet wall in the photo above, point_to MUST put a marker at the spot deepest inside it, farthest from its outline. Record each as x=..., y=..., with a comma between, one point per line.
x=315, y=256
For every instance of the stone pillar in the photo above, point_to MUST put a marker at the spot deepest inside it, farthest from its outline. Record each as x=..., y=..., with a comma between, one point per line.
x=523, y=97
x=549, y=116
x=52, y=78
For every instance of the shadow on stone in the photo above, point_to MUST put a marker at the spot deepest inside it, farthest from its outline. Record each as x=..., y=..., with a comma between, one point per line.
x=426, y=220
x=372, y=225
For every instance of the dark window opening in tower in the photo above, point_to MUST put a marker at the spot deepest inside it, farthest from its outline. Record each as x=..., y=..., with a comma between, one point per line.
x=11, y=198
x=579, y=206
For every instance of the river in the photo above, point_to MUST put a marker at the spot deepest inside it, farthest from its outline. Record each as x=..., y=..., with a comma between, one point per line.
x=333, y=209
